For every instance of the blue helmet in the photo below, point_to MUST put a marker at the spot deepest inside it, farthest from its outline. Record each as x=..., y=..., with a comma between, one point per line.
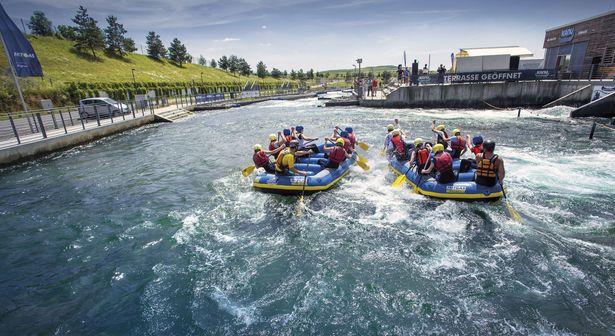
x=344, y=134
x=286, y=132
x=299, y=128
x=477, y=140
x=349, y=129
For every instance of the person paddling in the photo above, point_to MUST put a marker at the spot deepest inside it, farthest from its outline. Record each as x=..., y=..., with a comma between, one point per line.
x=336, y=154
x=477, y=144
x=443, y=164
x=458, y=144
x=261, y=158
x=420, y=154
x=303, y=140
x=285, y=164
x=275, y=146
x=489, y=166
x=442, y=136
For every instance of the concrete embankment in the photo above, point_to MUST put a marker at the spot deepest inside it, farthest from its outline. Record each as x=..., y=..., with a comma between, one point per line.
x=238, y=103
x=482, y=95
x=29, y=151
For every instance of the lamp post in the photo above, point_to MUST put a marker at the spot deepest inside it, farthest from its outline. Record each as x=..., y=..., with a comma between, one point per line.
x=355, y=70
x=359, y=61
x=201, y=77
x=134, y=81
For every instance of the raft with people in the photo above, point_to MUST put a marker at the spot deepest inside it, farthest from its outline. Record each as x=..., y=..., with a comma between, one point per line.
x=434, y=171
x=302, y=167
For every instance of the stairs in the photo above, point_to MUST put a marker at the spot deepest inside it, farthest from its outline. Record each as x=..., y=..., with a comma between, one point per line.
x=172, y=115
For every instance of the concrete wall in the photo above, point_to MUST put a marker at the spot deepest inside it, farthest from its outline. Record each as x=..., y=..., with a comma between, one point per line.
x=43, y=147
x=502, y=94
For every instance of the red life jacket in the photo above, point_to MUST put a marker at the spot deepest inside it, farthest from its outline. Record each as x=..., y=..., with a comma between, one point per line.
x=337, y=155
x=477, y=149
x=353, y=139
x=422, y=156
x=398, y=143
x=347, y=144
x=260, y=159
x=444, y=162
x=288, y=139
x=460, y=144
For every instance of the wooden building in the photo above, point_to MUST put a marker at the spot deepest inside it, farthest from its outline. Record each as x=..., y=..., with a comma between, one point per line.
x=583, y=49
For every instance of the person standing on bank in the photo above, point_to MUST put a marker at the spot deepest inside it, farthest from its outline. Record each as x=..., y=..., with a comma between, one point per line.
x=374, y=87
x=400, y=75
x=369, y=87
x=489, y=166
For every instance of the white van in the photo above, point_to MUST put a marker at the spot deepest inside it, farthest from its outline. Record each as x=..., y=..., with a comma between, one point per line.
x=104, y=106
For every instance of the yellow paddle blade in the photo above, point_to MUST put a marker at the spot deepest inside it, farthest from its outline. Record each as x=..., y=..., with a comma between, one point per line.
x=361, y=158
x=513, y=213
x=363, y=165
x=382, y=152
x=300, y=206
x=399, y=181
x=363, y=145
x=247, y=171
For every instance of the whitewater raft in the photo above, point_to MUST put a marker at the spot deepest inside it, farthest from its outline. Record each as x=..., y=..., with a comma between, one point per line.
x=463, y=189
x=318, y=179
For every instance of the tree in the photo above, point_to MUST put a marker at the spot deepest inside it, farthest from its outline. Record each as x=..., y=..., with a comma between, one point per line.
x=40, y=25
x=348, y=76
x=213, y=63
x=155, y=48
x=244, y=67
x=275, y=73
x=128, y=45
x=202, y=61
x=233, y=64
x=386, y=76
x=88, y=34
x=261, y=70
x=293, y=74
x=223, y=63
x=67, y=32
x=310, y=74
x=300, y=75
x=178, y=52
x=285, y=74
x=114, y=36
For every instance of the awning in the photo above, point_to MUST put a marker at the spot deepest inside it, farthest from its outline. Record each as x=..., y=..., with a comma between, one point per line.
x=512, y=51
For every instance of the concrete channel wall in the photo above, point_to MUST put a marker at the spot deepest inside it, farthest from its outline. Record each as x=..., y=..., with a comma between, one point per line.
x=33, y=150
x=504, y=94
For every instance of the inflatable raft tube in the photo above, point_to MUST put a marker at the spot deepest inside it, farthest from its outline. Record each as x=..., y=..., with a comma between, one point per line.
x=464, y=188
x=318, y=179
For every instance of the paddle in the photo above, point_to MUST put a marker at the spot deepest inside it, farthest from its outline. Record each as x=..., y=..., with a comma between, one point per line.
x=301, y=202
x=400, y=179
x=248, y=170
x=363, y=145
x=511, y=211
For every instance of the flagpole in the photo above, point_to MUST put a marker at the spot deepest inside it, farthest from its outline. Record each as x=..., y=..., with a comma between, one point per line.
x=23, y=102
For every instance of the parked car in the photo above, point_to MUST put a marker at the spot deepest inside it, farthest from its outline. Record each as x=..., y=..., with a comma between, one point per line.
x=104, y=106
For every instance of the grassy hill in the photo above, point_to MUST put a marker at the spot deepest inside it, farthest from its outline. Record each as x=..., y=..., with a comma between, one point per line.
x=375, y=69
x=62, y=67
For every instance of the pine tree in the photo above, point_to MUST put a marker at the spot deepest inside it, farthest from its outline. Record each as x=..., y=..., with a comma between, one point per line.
x=244, y=67
x=128, y=45
x=114, y=36
x=67, y=32
x=261, y=70
x=155, y=48
x=275, y=73
x=88, y=34
x=202, y=61
x=213, y=63
x=178, y=52
x=300, y=75
x=310, y=74
x=293, y=74
x=40, y=25
x=223, y=63
x=285, y=74
x=233, y=64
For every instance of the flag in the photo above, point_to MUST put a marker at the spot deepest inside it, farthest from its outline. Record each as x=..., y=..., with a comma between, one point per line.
x=404, y=58
x=18, y=48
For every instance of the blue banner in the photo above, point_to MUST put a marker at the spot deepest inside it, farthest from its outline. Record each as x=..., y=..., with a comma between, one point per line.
x=203, y=98
x=19, y=49
x=489, y=76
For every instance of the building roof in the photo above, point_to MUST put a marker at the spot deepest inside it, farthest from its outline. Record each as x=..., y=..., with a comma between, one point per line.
x=583, y=20
x=492, y=51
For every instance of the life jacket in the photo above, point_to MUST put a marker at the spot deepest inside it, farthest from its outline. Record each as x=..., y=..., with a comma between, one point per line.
x=272, y=146
x=398, y=143
x=288, y=139
x=353, y=139
x=458, y=145
x=260, y=159
x=444, y=162
x=279, y=162
x=486, y=167
x=422, y=156
x=347, y=144
x=337, y=155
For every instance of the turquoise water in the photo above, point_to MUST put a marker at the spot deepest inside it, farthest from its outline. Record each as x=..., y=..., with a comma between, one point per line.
x=155, y=232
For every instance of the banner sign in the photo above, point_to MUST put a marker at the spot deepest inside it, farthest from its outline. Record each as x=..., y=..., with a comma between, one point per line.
x=18, y=48
x=250, y=94
x=203, y=98
x=500, y=76
x=602, y=91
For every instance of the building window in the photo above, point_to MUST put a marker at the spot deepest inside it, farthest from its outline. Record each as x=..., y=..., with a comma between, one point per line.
x=563, y=63
x=609, y=56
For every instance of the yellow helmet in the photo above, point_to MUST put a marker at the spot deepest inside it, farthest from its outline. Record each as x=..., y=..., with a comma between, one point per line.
x=440, y=127
x=272, y=136
x=390, y=127
x=396, y=132
x=257, y=147
x=339, y=142
x=456, y=131
x=438, y=148
x=418, y=141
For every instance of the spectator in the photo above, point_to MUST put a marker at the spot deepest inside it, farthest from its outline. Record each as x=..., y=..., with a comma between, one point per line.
x=441, y=72
x=374, y=87
x=400, y=74
x=425, y=71
x=415, y=73
x=406, y=75
x=369, y=87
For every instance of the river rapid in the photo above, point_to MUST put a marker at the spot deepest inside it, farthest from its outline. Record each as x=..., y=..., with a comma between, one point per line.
x=155, y=232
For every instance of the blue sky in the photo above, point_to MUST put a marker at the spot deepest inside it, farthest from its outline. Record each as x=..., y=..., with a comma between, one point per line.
x=326, y=34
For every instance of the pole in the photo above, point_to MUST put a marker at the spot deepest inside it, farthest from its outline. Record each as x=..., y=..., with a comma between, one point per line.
x=23, y=102
x=429, y=64
x=23, y=25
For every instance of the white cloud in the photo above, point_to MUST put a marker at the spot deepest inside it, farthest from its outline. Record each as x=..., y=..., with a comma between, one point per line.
x=228, y=39
x=265, y=44
x=264, y=27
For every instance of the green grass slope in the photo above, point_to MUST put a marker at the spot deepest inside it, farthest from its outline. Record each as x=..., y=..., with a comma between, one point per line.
x=374, y=69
